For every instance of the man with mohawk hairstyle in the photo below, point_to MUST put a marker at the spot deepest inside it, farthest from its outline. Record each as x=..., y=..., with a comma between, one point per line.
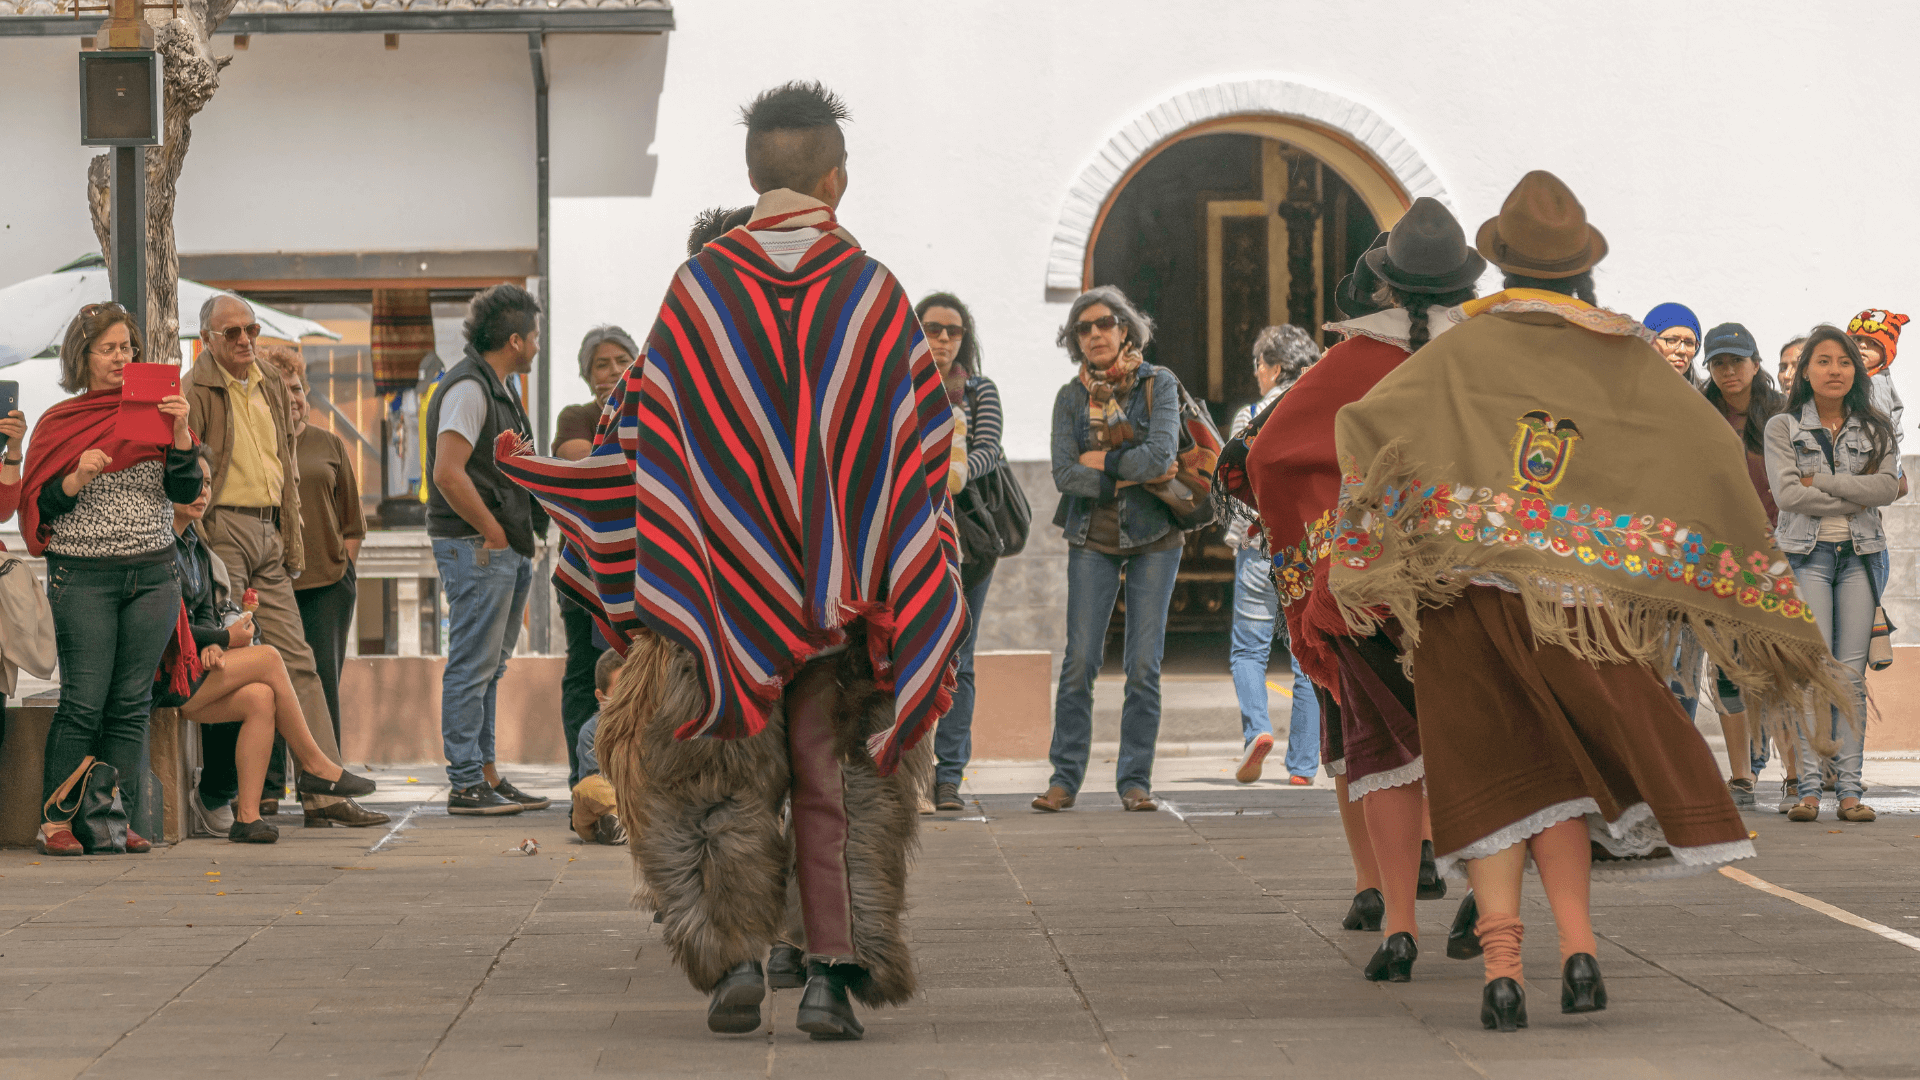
x=764, y=531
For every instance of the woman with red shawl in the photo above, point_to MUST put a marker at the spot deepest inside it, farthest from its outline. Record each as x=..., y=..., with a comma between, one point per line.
x=100, y=508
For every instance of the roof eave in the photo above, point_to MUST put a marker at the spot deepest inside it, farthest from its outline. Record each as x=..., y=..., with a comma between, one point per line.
x=498, y=21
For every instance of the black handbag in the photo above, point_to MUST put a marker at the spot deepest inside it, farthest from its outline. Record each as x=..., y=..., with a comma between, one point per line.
x=96, y=815
x=1001, y=500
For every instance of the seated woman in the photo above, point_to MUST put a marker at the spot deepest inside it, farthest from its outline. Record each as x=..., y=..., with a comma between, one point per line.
x=243, y=683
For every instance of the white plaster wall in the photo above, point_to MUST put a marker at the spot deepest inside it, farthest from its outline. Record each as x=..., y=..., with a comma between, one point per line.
x=1692, y=132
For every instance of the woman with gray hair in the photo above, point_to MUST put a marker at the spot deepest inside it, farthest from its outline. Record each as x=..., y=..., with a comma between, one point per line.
x=1115, y=430
x=1281, y=355
x=605, y=354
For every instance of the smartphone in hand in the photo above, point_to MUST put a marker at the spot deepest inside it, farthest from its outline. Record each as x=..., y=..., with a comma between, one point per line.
x=9, y=401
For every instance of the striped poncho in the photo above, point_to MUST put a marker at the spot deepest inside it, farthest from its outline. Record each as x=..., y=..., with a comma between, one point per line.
x=773, y=469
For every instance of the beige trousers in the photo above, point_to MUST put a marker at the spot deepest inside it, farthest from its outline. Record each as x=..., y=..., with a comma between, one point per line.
x=592, y=798
x=251, y=548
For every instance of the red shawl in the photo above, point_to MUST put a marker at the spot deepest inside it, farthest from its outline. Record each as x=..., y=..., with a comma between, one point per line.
x=1296, y=478
x=64, y=432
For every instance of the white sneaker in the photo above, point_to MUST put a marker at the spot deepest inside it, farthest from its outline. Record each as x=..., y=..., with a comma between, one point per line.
x=216, y=822
x=1251, y=759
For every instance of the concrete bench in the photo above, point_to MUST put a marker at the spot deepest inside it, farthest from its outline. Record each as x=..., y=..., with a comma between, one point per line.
x=23, y=758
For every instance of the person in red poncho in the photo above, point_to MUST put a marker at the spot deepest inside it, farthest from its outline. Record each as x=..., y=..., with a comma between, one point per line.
x=1370, y=738
x=100, y=510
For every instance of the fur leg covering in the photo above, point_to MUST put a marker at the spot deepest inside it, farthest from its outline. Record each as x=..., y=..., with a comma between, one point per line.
x=703, y=814
x=883, y=818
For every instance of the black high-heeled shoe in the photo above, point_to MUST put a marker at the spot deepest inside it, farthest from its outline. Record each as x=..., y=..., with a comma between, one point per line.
x=1463, y=943
x=1503, y=1005
x=1393, y=960
x=1432, y=885
x=1581, y=987
x=1367, y=910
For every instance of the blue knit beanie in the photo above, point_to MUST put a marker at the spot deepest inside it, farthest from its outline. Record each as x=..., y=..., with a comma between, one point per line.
x=1670, y=315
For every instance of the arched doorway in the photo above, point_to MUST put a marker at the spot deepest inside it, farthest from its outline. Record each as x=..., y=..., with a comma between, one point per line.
x=1219, y=231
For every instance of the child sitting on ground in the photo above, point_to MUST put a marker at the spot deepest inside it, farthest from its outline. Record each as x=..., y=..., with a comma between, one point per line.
x=596, y=817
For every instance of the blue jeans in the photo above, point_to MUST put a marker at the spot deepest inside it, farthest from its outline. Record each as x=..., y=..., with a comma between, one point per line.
x=1841, y=595
x=1256, y=612
x=953, y=739
x=486, y=593
x=111, y=626
x=1093, y=584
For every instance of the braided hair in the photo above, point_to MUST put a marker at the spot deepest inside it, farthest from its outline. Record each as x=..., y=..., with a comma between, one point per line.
x=1418, y=305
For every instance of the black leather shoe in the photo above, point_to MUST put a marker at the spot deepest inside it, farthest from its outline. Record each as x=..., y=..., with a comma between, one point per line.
x=480, y=799
x=1463, y=943
x=786, y=967
x=946, y=796
x=1365, y=914
x=530, y=802
x=1393, y=960
x=347, y=786
x=607, y=829
x=255, y=832
x=1432, y=885
x=735, y=1009
x=345, y=812
x=825, y=1013
x=1581, y=987
x=1503, y=1005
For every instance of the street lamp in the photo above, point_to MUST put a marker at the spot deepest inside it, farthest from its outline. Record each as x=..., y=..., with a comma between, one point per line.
x=122, y=105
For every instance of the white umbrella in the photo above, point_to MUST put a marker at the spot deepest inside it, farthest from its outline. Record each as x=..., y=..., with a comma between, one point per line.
x=34, y=314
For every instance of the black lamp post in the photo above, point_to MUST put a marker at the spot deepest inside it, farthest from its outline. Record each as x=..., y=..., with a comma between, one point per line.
x=122, y=106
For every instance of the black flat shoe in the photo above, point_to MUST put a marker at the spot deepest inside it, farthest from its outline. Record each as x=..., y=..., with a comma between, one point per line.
x=1462, y=942
x=735, y=1009
x=786, y=967
x=348, y=786
x=1581, y=987
x=1393, y=961
x=1367, y=910
x=252, y=832
x=1432, y=885
x=825, y=1013
x=1503, y=1005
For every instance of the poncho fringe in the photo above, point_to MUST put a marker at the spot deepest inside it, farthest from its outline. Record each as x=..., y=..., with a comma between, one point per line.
x=1786, y=682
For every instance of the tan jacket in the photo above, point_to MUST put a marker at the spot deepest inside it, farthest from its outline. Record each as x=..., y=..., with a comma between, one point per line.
x=210, y=418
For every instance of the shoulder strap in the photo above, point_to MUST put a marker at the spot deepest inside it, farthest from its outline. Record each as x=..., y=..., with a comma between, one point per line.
x=1825, y=439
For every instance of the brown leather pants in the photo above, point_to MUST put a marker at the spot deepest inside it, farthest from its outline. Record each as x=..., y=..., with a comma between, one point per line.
x=820, y=826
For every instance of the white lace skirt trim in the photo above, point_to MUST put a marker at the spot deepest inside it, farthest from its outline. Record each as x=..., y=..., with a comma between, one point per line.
x=1632, y=840
x=1337, y=767
x=1409, y=773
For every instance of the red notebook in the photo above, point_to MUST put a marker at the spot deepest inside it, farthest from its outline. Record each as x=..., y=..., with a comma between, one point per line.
x=139, y=419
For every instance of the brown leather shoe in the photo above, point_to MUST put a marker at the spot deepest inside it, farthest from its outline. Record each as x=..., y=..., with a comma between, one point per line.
x=1138, y=799
x=345, y=812
x=1056, y=799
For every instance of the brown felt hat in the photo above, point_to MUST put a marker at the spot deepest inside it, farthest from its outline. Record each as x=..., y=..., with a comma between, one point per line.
x=1541, y=231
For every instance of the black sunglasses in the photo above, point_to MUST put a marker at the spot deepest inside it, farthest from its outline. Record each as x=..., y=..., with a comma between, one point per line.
x=1088, y=326
x=944, y=330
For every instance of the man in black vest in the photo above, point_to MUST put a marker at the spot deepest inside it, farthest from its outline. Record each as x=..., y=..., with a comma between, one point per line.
x=483, y=527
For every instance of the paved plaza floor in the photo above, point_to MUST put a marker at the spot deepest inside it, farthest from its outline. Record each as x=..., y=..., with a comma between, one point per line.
x=1202, y=941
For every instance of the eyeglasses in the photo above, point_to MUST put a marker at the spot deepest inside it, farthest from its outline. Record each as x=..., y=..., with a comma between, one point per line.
x=232, y=333
x=123, y=349
x=944, y=330
x=1677, y=342
x=1088, y=326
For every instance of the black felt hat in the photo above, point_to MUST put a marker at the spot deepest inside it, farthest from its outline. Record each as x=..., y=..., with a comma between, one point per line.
x=1354, y=295
x=1427, y=252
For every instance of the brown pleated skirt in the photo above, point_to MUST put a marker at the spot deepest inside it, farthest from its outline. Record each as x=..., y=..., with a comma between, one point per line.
x=1380, y=738
x=1517, y=736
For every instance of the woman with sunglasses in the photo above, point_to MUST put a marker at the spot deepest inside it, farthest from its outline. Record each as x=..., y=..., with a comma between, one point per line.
x=1115, y=430
x=1832, y=459
x=100, y=508
x=976, y=452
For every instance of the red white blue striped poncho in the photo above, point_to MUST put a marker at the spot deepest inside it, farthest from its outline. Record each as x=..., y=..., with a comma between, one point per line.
x=774, y=468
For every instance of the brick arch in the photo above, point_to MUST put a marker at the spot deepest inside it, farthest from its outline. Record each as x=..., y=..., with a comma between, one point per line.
x=1357, y=142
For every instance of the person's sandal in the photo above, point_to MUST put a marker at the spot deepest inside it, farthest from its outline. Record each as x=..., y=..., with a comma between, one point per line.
x=1055, y=800
x=1858, y=812
x=1803, y=812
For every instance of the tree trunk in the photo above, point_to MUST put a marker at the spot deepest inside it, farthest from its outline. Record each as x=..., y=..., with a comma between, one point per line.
x=192, y=75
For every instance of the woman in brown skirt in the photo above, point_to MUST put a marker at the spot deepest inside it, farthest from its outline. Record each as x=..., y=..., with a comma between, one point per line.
x=1511, y=499
x=1372, y=741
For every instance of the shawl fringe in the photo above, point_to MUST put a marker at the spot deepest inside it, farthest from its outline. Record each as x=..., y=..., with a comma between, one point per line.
x=1786, y=682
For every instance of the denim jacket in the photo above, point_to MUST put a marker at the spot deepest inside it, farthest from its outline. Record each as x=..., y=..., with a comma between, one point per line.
x=1143, y=517
x=1793, y=451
